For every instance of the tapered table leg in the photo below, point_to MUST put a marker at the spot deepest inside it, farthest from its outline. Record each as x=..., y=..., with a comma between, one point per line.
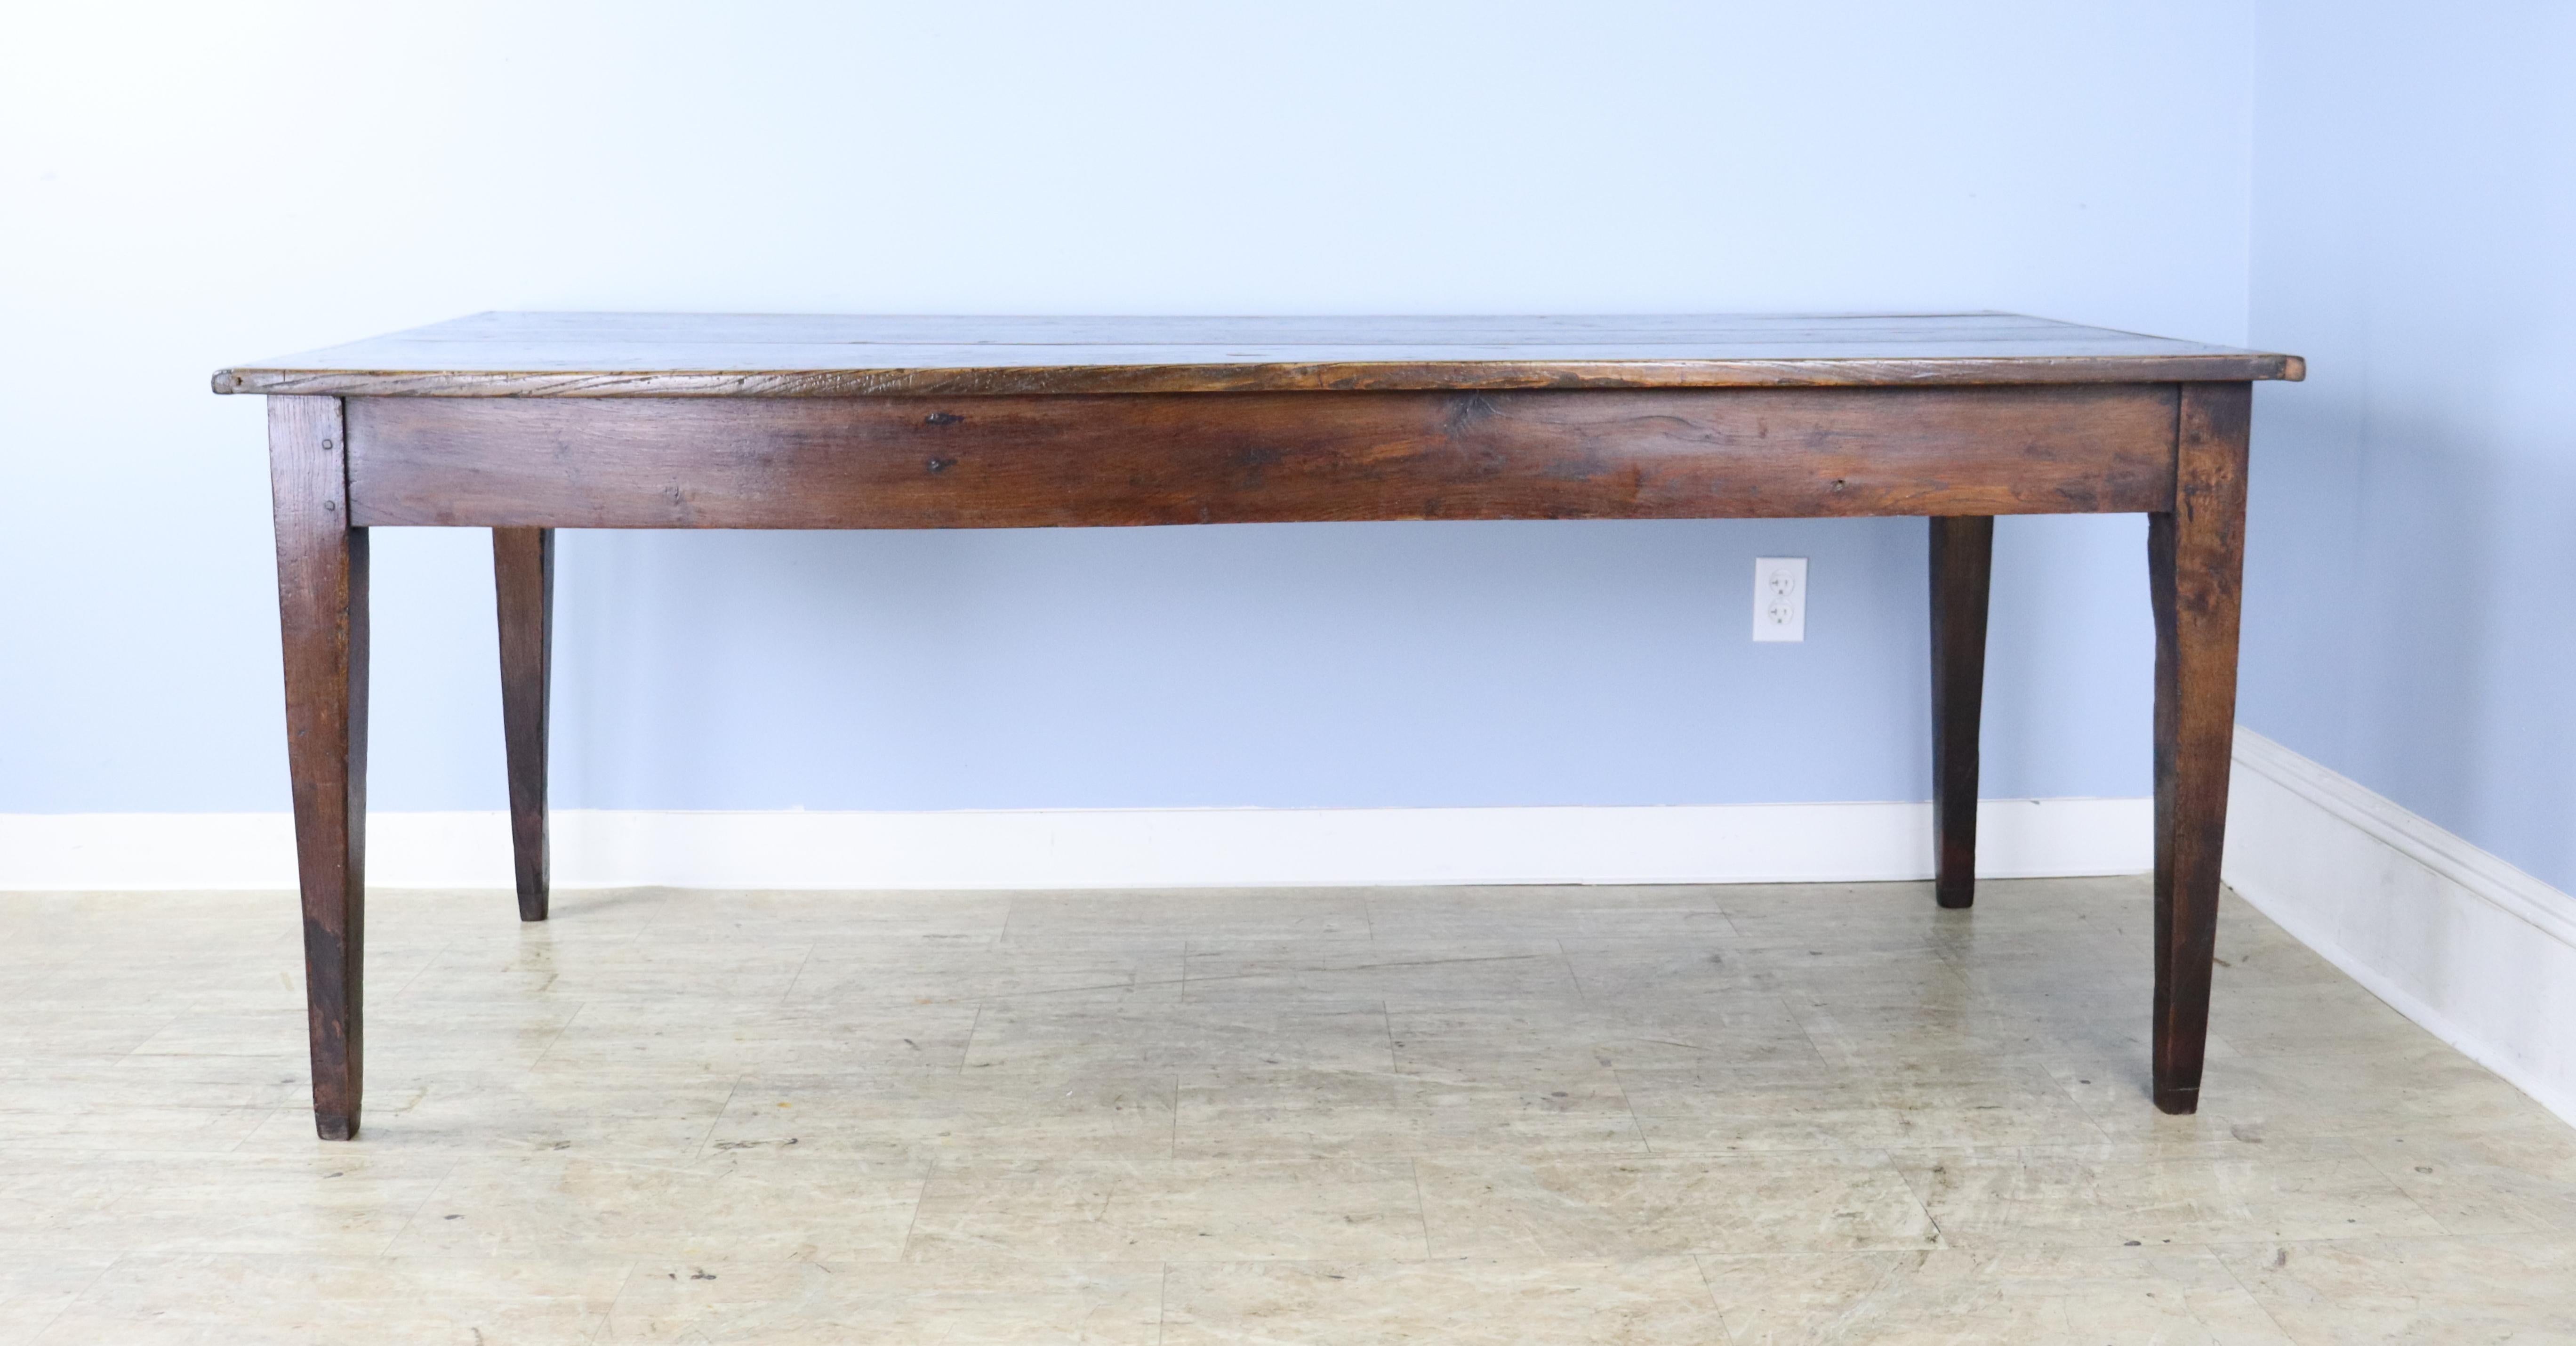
x=1963, y=552
x=322, y=609
x=2196, y=561
x=523, y=574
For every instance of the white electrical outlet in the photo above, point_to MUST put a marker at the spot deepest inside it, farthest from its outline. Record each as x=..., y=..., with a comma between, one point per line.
x=1780, y=598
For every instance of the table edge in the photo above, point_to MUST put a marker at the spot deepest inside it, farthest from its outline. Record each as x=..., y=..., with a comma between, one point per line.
x=1336, y=376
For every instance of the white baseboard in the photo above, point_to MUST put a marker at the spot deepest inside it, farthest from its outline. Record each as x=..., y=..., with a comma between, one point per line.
x=1096, y=848
x=2474, y=949
x=2477, y=951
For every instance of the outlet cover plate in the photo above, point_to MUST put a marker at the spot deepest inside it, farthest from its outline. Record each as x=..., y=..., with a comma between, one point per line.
x=1780, y=598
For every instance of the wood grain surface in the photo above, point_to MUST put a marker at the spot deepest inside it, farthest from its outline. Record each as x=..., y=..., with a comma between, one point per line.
x=523, y=585
x=1962, y=571
x=719, y=355
x=1021, y=462
x=2196, y=570
x=322, y=608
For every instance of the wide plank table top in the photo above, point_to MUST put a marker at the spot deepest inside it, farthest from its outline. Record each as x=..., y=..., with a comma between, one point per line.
x=788, y=355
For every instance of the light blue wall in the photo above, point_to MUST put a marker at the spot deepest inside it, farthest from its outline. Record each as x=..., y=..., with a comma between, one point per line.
x=219, y=184
x=2411, y=587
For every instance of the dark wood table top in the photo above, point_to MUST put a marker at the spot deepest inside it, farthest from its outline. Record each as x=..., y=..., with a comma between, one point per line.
x=752, y=355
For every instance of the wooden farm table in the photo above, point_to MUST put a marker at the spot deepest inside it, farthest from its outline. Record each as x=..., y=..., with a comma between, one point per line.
x=528, y=422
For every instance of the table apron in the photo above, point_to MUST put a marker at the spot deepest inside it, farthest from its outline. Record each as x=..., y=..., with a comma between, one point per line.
x=1070, y=461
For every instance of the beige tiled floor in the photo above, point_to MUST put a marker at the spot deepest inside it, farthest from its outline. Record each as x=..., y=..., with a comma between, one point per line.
x=1702, y=1115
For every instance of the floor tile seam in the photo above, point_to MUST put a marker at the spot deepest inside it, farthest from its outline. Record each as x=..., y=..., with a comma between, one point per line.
x=1507, y=1261
x=213, y=1005
x=2548, y=1126
x=72, y=1300
x=2074, y=1239
x=1695, y=1248
x=2567, y=1237
x=122, y=1109
x=1162, y=1300
x=2325, y=1131
x=1421, y=1207
x=264, y=1123
x=607, y=1316
x=2398, y=1186
x=1644, y=1141
x=1782, y=1152
x=166, y=1024
x=2128, y=1161
x=627, y=938
x=2211, y=1250
x=1708, y=1287
x=920, y=1198
x=788, y=992
x=1863, y=1157
x=1575, y=978
x=1815, y=1049
x=980, y=1258
x=426, y=1197
x=363, y=1261
x=625, y=1283
x=1131, y=984
x=1941, y=1237
x=114, y=1252
x=966, y=1053
x=1386, y=1020
x=2135, y=1099
x=703, y=1151
x=32, y=1147
x=2066, y=1095
x=2426, y=1049
x=555, y=1039
x=400, y=992
x=1734, y=930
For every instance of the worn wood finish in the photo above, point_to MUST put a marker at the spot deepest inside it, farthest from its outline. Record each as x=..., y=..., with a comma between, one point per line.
x=523, y=576
x=1259, y=457
x=528, y=422
x=2196, y=563
x=720, y=355
x=1963, y=550
x=322, y=610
